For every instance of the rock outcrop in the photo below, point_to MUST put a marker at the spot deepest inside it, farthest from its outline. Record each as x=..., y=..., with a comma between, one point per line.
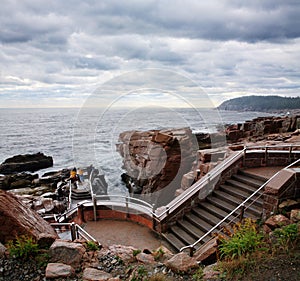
x=259, y=127
x=155, y=161
x=27, y=162
x=17, y=219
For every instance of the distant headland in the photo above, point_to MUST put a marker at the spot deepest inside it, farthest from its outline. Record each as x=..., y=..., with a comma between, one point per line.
x=262, y=103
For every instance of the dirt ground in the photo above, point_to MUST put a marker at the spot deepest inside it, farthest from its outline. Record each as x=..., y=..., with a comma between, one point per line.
x=116, y=232
x=278, y=268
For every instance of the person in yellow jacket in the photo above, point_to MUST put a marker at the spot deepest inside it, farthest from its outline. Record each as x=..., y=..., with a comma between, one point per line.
x=73, y=177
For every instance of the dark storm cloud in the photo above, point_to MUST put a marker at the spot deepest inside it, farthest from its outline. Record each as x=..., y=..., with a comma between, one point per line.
x=227, y=46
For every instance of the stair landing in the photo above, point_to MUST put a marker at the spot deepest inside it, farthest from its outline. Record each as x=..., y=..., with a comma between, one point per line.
x=264, y=172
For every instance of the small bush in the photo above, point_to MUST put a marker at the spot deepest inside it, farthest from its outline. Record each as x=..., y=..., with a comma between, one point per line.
x=245, y=240
x=158, y=254
x=140, y=274
x=92, y=246
x=136, y=252
x=23, y=247
x=287, y=236
x=198, y=275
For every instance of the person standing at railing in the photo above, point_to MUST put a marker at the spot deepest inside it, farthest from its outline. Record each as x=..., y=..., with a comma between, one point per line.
x=80, y=175
x=73, y=177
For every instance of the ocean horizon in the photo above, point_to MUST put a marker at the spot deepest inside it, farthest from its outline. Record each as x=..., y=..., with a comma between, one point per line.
x=76, y=137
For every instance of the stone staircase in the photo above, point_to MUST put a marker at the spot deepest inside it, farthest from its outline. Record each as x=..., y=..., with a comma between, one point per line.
x=214, y=208
x=81, y=194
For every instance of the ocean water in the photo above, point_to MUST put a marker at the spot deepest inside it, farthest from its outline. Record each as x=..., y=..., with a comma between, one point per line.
x=76, y=137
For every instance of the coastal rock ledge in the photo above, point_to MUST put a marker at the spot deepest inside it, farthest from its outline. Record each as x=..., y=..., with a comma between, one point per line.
x=156, y=160
x=26, y=163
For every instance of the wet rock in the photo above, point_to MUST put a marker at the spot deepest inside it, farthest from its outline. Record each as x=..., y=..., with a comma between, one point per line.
x=59, y=270
x=182, y=262
x=66, y=252
x=17, y=219
x=289, y=204
x=295, y=215
x=27, y=162
x=125, y=253
x=17, y=181
x=45, y=240
x=145, y=258
x=277, y=221
x=92, y=274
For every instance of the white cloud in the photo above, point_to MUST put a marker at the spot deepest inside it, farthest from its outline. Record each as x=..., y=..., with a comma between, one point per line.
x=68, y=48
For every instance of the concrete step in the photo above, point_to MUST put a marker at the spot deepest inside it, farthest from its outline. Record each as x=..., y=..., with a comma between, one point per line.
x=176, y=243
x=250, y=175
x=254, y=210
x=214, y=210
x=227, y=197
x=247, y=180
x=236, y=192
x=205, y=215
x=219, y=203
x=81, y=195
x=191, y=229
x=182, y=235
x=199, y=223
x=242, y=186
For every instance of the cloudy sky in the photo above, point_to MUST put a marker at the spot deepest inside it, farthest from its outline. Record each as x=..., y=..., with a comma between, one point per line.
x=56, y=53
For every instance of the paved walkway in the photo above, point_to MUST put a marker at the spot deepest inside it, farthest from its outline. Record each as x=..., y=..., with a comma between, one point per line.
x=265, y=172
x=115, y=232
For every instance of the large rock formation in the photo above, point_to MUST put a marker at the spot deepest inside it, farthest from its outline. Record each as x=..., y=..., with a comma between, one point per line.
x=16, y=219
x=27, y=162
x=259, y=127
x=155, y=161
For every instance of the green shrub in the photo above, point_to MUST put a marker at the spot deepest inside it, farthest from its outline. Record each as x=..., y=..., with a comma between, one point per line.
x=198, y=275
x=245, y=240
x=136, y=252
x=92, y=246
x=140, y=274
x=158, y=254
x=287, y=236
x=23, y=247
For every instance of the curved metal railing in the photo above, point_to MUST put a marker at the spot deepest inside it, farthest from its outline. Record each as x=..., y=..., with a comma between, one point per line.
x=198, y=187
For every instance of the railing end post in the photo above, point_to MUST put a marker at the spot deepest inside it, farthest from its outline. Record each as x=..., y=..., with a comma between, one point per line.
x=192, y=250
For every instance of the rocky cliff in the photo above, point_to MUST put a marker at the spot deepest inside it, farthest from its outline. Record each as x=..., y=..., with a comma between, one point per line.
x=156, y=160
x=17, y=219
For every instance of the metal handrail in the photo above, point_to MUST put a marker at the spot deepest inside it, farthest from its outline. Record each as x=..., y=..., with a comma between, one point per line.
x=90, y=183
x=192, y=246
x=75, y=231
x=201, y=183
x=179, y=200
x=130, y=199
x=70, y=211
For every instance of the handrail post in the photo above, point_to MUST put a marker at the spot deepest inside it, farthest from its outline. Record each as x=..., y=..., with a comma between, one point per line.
x=95, y=206
x=242, y=212
x=266, y=155
x=153, y=217
x=244, y=156
x=192, y=249
x=290, y=154
x=73, y=231
x=127, y=208
x=80, y=212
x=167, y=210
